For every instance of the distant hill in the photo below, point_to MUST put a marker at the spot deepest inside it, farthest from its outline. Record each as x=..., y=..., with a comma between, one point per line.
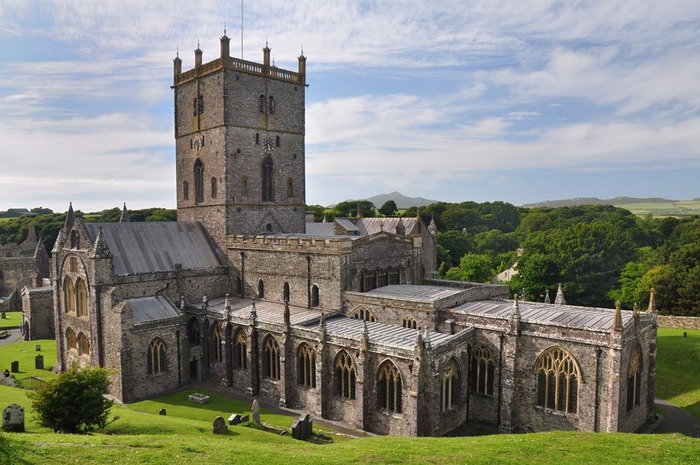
x=402, y=202
x=617, y=201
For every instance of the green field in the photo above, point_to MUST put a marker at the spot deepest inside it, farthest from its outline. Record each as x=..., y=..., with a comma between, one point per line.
x=662, y=209
x=11, y=320
x=140, y=435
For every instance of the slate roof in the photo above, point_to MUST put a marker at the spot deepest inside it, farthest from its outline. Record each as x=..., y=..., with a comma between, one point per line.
x=414, y=292
x=364, y=227
x=267, y=312
x=546, y=314
x=321, y=229
x=156, y=246
x=150, y=309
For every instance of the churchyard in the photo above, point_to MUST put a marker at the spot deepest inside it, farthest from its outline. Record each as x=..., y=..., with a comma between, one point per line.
x=142, y=434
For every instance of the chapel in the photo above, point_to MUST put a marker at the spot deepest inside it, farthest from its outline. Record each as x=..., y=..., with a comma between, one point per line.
x=343, y=319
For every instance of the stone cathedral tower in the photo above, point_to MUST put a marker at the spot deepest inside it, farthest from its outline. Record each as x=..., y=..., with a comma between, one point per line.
x=239, y=136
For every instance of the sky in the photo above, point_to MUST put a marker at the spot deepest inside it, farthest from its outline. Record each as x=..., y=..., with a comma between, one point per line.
x=451, y=100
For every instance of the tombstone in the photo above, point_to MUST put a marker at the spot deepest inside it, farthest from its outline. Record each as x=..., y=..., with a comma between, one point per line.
x=255, y=411
x=14, y=366
x=308, y=425
x=39, y=362
x=3, y=315
x=234, y=419
x=163, y=412
x=38, y=347
x=245, y=418
x=13, y=419
x=297, y=430
x=219, y=426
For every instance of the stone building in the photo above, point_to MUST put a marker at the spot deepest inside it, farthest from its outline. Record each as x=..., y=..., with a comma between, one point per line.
x=344, y=319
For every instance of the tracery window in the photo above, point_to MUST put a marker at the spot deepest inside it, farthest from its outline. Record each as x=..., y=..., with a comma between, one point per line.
x=306, y=366
x=194, y=334
x=634, y=379
x=73, y=264
x=240, y=347
x=71, y=340
x=389, y=387
x=382, y=277
x=81, y=304
x=198, y=181
x=558, y=375
x=409, y=322
x=83, y=344
x=393, y=275
x=364, y=314
x=156, y=356
x=368, y=280
x=315, y=296
x=482, y=371
x=271, y=358
x=345, y=375
x=68, y=295
x=215, y=345
x=268, y=189
x=450, y=386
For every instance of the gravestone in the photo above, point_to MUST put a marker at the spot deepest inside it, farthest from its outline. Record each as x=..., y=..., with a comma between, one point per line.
x=3, y=315
x=14, y=366
x=199, y=398
x=163, y=412
x=298, y=430
x=39, y=362
x=234, y=419
x=245, y=418
x=255, y=411
x=219, y=426
x=38, y=347
x=305, y=419
x=13, y=418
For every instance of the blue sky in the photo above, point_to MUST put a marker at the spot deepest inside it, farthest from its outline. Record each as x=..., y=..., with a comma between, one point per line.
x=459, y=100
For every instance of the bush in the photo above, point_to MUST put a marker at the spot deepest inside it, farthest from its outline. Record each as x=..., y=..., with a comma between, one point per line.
x=73, y=402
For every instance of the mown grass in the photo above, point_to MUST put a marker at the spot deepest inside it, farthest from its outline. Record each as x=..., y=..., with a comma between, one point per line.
x=678, y=368
x=24, y=352
x=12, y=320
x=662, y=209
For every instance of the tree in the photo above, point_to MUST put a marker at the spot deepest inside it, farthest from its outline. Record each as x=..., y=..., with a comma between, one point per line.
x=389, y=208
x=473, y=268
x=73, y=402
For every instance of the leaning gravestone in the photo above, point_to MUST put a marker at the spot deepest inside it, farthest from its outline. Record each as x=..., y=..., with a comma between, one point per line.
x=13, y=419
x=14, y=366
x=305, y=420
x=234, y=419
x=39, y=362
x=298, y=430
x=255, y=411
x=219, y=426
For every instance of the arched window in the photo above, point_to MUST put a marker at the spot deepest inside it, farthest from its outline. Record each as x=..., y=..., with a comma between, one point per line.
x=634, y=378
x=198, y=181
x=393, y=275
x=409, y=322
x=71, y=340
x=245, y=185
x=68, y=295
x=83, y=344
x=290, y=187
x=271, y=358
x=186, y=190
x=368, y=280
x=213, y=188
x=558, y=375
x=261, y=288
x=81, y=298
x=364, y=314
x=272, y=104
x=239, y=286
x=315, y=297
x=306, y=366
x=450, y=386
x=285, y=292
x=156, y=357
x=345, y=375
x=261, y=103
x=240, y=347
x=482, y=367
x=389, y=387
x=194, y=333
x=382, y=277
x=74, y=240
x=268, y=189
x=216, y=349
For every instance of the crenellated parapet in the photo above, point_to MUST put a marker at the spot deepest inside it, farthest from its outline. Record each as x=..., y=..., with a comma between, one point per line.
x=286, y=242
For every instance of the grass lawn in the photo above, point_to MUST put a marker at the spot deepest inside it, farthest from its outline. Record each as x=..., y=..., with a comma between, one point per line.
x=12, y=320
x=678, y=368
x=24, y=352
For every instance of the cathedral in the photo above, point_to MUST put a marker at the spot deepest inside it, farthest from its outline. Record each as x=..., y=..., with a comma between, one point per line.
x=343, y=319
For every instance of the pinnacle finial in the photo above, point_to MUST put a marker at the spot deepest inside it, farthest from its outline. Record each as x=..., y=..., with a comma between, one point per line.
x=652, y=301
x=224, y=29
x=617, y=321
x=559, y=299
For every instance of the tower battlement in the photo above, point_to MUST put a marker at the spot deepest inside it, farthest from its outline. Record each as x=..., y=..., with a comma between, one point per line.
x=290, y=242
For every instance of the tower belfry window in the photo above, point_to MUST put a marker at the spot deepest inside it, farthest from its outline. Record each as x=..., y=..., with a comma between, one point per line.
x=261, y=103
x=272, y=104
x=198, y=181
x=268, y=189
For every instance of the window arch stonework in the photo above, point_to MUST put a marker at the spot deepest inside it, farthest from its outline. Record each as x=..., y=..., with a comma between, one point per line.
x=71, y=340
x=216, y=348
x=345, y=375
x=389, y=387
x=81, y=300
x=364, y=314
x=83, y=344
x=156, y=362
x=306, y=366
x=449, y=386
x=634, y=378
x=268, y=185
x=558, y=375
x=194, y=332
x=68, y=295
x=198, y=181
x=483, y=370
x=271, y=358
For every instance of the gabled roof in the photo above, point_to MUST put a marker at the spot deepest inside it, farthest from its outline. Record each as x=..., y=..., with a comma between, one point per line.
x=369, y=226
x=150, y=309
x=156, y=246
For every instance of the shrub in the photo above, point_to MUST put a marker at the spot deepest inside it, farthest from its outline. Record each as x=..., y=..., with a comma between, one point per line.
x=73, y=402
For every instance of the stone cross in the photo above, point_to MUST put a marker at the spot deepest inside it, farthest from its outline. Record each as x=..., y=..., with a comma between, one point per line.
x=255, y=411
x=13, y=418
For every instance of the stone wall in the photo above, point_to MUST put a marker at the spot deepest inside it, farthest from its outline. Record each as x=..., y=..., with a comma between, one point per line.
x=679, y=322
x=37, y=309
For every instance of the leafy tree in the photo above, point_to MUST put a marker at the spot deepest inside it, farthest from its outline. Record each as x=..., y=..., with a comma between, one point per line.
x=389, y=208
x=456, y=244
x=348, y=209
x=319, y=212
x=73, y=402
x=473, y=268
